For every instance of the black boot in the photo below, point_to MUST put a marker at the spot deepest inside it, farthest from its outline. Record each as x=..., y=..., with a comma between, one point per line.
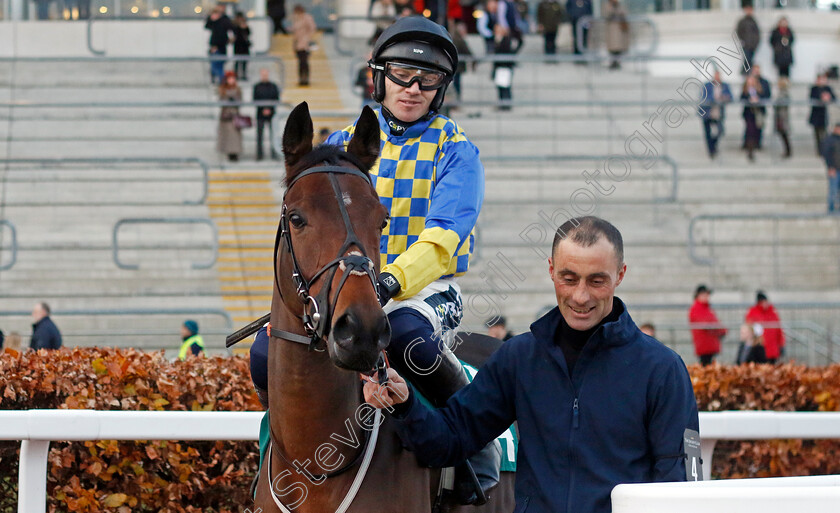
x=480, y=473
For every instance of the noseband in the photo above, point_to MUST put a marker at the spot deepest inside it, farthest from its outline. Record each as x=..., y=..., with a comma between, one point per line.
x=317, y=310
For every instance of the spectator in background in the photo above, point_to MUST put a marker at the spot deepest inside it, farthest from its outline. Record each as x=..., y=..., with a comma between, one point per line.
x=751, y=348
x=241, y=44
x=716, y=94
x=364, y=82
x=764, y=315
x=781, y=116
x=618, y=37
x=708, y=332
x=753, y=114
x=220, y=27
x=43, y=9
x=459, y=32
x=229, y=136
x=821, y=96
x=486, y=25
x=323, y=135
x=550, y=15
x=648, y=329
x=575, y=10
x=749, y=34
x=781, y=39
x=2, y=339
x=191, y=341
x=303, y=30
x=265, y=90
x=503, y=70
x=45, y=334
x=383, y=12
x=276, y=10
x=764, y=94
x=497, y=328
x=831, y=154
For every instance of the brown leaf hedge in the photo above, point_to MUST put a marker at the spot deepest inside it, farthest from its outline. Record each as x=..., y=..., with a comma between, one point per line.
x=177, y=476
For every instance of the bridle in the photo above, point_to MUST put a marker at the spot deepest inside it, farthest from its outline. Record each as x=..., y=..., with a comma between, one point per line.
x=317, y=310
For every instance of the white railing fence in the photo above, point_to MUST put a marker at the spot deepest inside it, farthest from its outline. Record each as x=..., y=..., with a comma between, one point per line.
x=36, y=428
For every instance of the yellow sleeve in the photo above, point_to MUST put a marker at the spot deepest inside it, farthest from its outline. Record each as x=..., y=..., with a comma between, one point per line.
x=424, y=261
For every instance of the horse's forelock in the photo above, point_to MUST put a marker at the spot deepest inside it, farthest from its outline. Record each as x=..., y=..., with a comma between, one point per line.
x=324, y=154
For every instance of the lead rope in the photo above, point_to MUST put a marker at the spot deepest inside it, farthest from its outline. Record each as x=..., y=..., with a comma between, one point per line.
x=357, y=482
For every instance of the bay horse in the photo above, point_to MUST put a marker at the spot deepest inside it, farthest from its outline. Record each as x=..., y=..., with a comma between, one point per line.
x=327, y=327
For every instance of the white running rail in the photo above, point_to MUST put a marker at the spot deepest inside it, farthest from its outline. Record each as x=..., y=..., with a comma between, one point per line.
x=36, y=428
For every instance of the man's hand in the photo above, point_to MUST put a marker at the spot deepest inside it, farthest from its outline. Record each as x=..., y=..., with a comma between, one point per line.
x=394, y=392
x=832, y=172
x=388, y=287
x=266, y=112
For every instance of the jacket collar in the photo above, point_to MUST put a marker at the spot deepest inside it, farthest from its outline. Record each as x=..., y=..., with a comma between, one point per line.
x=415, y=130
x=614, y=333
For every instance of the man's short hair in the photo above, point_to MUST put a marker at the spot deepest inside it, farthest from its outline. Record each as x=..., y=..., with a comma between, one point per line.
x=45, y=307
x=586, y=231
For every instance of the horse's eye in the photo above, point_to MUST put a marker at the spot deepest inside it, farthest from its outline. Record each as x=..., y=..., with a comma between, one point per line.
x=297, y=221
x=385, y=222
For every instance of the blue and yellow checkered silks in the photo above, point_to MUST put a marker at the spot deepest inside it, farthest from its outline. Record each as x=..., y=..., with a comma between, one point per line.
x=432, y=182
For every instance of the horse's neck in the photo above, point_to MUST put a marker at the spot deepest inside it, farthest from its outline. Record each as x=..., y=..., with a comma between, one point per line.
x=314, y=399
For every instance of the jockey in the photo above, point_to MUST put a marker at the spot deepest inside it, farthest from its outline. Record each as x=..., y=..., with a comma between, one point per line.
x=430, y=178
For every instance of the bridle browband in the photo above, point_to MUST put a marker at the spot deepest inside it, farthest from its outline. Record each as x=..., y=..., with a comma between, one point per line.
x=317, y=310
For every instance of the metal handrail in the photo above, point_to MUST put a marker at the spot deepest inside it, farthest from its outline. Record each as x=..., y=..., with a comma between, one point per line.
x=164, y=220
x=671, y=198
x=205, y=169
x=693, y=243
x=84, y=312
x=14, y=247
x=167, y=18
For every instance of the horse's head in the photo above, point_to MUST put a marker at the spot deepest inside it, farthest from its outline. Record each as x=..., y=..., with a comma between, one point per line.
x=333, y=221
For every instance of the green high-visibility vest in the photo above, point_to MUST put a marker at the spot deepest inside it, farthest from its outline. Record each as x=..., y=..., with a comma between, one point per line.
x=185, y=347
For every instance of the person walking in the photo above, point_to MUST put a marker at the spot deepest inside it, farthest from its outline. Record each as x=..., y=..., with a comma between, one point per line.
x=229, y=135
x=276, y=10
x=750, y=35
x=764, y=314
x=220, y=28
x=706, y=330
x=716, y=95
x=577, y=10
x=597, y=403
x=303, y=30
x=503, y=70
x=831, y=154
x=265, y=90
x=781, y=39
x=241, y=45
x=618, y=37
x=45, y=334
x=550, y=14
x=781, y=116
x=191, y=341
x=433, y=192
x=821, y=95
x=753, y=114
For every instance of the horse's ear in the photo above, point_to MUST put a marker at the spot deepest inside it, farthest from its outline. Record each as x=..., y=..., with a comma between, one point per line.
x=297, y=136
x=365, y=141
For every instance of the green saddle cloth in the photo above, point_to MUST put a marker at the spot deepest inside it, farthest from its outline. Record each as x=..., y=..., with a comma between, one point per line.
x=508, y=440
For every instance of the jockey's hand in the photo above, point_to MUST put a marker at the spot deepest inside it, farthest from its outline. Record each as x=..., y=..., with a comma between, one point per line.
x=394, y=392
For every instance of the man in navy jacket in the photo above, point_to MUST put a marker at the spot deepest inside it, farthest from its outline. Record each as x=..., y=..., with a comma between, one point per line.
x=597, y=402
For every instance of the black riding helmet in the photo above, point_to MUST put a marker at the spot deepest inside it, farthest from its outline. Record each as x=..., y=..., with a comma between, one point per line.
x=417, y=40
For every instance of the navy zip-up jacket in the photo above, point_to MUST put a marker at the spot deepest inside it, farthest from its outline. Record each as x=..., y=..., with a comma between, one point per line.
x=619, y=418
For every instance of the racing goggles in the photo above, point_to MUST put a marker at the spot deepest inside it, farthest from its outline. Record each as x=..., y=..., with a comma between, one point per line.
x=406, y=74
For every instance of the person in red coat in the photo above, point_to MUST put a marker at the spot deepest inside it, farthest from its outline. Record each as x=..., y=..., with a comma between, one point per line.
x=765, y=314
x=706, y=338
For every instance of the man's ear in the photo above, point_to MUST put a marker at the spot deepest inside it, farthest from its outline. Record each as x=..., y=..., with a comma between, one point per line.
x=621, y=272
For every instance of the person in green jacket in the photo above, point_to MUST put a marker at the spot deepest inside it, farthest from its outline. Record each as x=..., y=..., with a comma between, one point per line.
x=192, y=341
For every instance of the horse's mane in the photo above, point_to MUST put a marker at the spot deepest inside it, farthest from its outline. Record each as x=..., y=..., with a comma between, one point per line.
x=325, y=154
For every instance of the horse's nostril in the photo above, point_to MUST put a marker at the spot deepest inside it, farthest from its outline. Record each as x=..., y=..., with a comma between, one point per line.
x=345, y=329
